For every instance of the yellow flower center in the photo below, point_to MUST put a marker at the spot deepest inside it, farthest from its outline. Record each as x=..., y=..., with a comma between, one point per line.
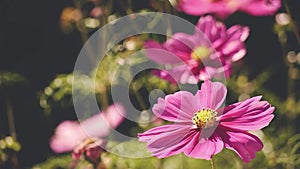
x=200, y=53
x=205, y=118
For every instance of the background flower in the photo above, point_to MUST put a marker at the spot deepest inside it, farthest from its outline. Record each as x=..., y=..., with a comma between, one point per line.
x=91, y=148
x=69, y=134
x=223, y=8
x=207, y=53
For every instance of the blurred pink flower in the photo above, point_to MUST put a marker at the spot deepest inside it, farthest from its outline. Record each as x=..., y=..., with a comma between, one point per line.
x=91, y=148
x=202, y=128
x=205, y=54
x=97, y=12
x=224, y=8
x=69, y=134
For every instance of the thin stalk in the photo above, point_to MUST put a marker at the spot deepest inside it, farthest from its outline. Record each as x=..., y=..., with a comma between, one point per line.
x=182, y=161
x=168, y=10
x=12, y=129
x=291, y=83
x=294, y=26
x=140, y=99
x=213, y=165
x=84, y=34
x=129, y=7
x=11, y=121
x=104, y=99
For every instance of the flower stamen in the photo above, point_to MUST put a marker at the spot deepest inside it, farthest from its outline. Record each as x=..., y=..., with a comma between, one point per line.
x=200, y=53
x=205, y=118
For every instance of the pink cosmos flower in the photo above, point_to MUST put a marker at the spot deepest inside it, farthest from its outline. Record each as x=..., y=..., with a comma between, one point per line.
x=223, y=8
x=202, y=128
x=207, y=53
x=70, y=134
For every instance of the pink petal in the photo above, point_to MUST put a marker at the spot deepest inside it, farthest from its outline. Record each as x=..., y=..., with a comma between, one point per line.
x=177, y=107
x=237, y=32
x=189, y=141
x=200, y=39
x=205, y=75
x=244, y=144
x=205, y=148
x=211, y=28
x=218, y=73
x=115, y=114
x=193, y=7
x=175, y=50
x=212, y=95
x=67, y=136
x=232, y=45
x=164, y=74
x=181, y=45
x=179, y=73
x=205, y=24
x=236, y=106
x=168, y=137
x=262, y=7
x=149, y=134
x=251, y=114
x=200, y=7
x=159, y=54
x=238, y=55
x=100, y=124
x=233, y=51
x=179, y=147
x=224, y=8
x=170, y=140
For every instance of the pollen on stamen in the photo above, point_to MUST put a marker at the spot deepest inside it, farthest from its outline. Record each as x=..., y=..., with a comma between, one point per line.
x=204, y=118
x=200, y=53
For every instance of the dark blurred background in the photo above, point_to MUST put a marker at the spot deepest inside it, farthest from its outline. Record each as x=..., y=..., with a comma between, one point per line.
x=33, y=45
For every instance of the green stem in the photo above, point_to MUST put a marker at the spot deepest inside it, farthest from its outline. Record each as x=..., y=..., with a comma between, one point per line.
x=11, y=121
x=129, y=7
x=168, y=10
x=182, y=161
x=294, y=26
x=213, y=165
x=291, y=82
x=104, y=99
x=12, y=129
x=140, y=99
